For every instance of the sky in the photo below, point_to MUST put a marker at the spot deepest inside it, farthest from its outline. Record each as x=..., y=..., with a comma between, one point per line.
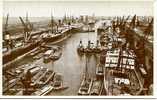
x=40, y=8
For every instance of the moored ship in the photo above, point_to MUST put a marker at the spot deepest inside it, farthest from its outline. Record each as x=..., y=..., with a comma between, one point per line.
x=86, y=83
x=120, y=76
x=11, y=53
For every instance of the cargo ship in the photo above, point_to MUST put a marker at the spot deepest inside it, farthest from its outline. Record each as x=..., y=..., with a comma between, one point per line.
x=125, y=40
x=120, y=76
x=29, y=44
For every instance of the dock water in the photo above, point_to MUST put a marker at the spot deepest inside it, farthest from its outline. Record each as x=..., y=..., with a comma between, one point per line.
x=70, y=65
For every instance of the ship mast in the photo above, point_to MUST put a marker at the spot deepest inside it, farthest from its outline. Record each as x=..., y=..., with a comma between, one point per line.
x=52, y=23
x=26, y=30
x=27, y=18
x=28, y=23
x=89, y=42
x=6, y=26
x=86, y=70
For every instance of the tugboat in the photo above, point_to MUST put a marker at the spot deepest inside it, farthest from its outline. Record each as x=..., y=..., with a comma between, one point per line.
x=85, y=84
x=97, y=48
x=88, y=49
x=80, y=48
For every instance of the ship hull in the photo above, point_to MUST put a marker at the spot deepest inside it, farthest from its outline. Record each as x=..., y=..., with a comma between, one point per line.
x=15, y=53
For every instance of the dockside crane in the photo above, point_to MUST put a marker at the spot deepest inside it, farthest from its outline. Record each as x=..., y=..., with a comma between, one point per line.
x=7, y=35
x=121, y=21
x=142, y=52
x=140, y=48
x=27, y=33
x=124, y=23
x=28, y=27
x=117, y=22
x=137, y=21
x=132, y=23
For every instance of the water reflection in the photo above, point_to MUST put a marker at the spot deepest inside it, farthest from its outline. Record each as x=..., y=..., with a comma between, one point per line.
x=71, y=65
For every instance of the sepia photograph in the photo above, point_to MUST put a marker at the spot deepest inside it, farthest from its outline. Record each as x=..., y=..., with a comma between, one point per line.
x=77, y=48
